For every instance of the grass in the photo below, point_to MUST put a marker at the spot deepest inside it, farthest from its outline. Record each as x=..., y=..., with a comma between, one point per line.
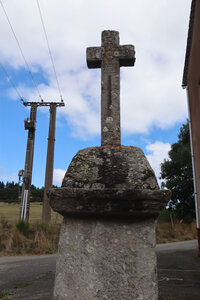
x=22, y=285
x=6, y=295
x=36, y=237
x=28, y=238
x=10, y=211
x=167, y=232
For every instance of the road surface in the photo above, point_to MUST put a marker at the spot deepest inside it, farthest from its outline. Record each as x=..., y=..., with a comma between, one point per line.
x=32, y=277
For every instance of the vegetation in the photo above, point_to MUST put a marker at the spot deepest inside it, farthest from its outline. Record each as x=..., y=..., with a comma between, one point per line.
x=10, y=212
x=24, y=238
x=39, y=238
x=175, y=232
x=168, y=216
x=23, y=227
x=6, y=295
x=19, y=237
x=9, y=192
x=22, y=285
x=177, y=175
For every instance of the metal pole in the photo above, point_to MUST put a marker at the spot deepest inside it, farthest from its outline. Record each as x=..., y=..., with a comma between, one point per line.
x=46, y=212
x=197, y=208
x=26, y=188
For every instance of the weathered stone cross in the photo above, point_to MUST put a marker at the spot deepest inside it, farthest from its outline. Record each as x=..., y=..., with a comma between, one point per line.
x=110, y=57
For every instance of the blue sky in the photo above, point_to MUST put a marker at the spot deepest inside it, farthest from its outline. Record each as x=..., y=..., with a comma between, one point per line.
x=153, y=104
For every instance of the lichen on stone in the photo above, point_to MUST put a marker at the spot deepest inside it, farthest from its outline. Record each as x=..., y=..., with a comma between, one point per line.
x=110, y=167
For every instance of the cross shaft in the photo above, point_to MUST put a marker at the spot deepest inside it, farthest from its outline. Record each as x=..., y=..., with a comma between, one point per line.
x=110, y=57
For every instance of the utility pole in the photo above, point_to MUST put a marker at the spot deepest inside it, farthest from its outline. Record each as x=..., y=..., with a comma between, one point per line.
x=30, y=125
x=46, y=211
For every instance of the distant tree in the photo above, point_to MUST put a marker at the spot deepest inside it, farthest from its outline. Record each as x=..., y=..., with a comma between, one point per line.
x=37, y=194
x=11, y=185
x=177, y=175
x=2, y=185
x=33, y=187
x=9, y=192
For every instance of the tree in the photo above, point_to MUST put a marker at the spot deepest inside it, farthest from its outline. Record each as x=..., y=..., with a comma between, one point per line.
x=9, y=192
x=2, y=185
x=177, y=174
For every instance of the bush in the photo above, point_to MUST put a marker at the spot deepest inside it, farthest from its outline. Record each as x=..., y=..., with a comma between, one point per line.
x=23, y=227
x=4, y=223
x=29, y=238
x=167, y=215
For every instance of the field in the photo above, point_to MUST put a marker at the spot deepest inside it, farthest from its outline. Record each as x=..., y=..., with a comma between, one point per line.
x=36, y=237
x=10, y=211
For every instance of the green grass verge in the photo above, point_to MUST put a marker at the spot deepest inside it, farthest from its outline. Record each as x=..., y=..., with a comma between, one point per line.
x=10, y=211
x=6, y=295
x=22, y=285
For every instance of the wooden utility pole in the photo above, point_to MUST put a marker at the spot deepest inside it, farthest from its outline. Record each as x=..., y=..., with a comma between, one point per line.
x=30, y=125
x=46, y=211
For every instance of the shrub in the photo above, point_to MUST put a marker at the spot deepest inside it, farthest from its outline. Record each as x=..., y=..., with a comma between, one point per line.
x=4, y=222
x=23, y=227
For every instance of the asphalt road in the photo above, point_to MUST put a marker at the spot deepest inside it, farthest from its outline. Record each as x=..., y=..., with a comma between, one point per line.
x=28, y=277
x=178, y=271
x=32, y=277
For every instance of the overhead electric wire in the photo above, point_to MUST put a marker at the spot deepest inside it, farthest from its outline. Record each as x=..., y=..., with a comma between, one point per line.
x=50, y=54
x=17, y=41
x=11, y=81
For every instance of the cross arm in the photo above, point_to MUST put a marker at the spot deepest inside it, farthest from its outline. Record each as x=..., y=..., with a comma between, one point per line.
x=127, y=55
x=94, y=57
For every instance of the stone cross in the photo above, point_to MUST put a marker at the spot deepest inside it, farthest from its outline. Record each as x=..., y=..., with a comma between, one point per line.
x=110, y=57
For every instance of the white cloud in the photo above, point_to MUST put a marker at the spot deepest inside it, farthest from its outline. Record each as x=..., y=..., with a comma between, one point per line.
x=58, y=175
x=151, y=93
x=5, y=176
x=157, y=153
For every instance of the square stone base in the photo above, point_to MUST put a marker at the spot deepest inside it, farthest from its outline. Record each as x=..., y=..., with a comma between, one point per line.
x=106, y=259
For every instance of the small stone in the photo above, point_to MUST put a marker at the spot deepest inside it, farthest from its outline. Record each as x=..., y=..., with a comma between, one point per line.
x=105, y=129
x=109, y=120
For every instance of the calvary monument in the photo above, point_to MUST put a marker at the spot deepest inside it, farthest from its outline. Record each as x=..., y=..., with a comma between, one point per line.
x=109, y=200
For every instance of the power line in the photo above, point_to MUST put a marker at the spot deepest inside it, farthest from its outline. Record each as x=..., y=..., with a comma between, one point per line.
x=50, y=54
x=17, y=41
x=11, y=81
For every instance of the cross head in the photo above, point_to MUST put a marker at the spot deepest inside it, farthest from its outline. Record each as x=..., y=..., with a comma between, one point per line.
x=110, y=57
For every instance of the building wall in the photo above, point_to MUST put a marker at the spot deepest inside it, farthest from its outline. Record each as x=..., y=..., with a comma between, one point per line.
x=193, y=84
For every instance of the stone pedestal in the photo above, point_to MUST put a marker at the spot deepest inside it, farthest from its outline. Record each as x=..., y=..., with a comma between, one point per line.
x=109, y=199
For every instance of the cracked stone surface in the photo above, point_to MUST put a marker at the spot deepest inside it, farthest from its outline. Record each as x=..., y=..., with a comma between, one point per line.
x=110, y=57
x=109, y=199
x=100, y=260
x=110, y=167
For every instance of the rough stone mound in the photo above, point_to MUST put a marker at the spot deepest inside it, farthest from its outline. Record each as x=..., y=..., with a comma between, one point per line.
x=117, y=167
